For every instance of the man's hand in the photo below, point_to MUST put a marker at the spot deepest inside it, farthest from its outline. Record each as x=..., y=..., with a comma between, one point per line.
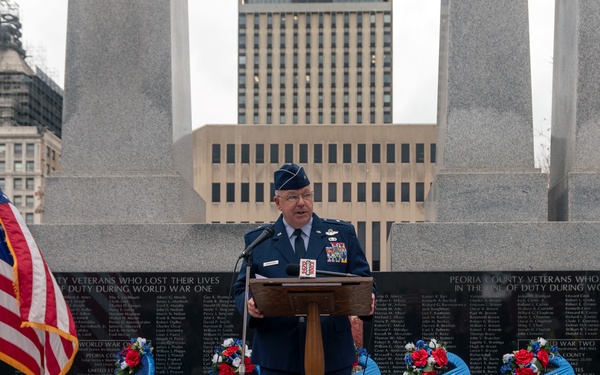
x=253, y=310
x=372, y=304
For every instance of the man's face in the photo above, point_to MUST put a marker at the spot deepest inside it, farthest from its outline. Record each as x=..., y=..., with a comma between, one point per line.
x=296, y=213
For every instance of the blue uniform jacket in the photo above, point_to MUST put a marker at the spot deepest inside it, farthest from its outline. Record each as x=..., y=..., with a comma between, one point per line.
x=279, y=341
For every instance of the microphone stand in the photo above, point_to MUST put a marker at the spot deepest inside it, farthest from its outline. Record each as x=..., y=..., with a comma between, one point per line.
x=248, y=258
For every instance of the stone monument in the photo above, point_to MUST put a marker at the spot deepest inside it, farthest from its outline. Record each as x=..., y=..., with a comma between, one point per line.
x=487, y=208
x=125, y=185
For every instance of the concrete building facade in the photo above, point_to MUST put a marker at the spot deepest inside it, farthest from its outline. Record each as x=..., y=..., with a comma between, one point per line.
x=315, y=62
x=371, y=175
x=30, y=121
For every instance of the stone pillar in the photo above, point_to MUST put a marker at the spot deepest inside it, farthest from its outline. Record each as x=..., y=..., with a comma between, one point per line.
x=486, y=167
x=574, y=193
x=127, y=145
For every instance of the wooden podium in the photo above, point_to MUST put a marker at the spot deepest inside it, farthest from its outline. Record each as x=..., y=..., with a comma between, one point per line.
x=344, y=296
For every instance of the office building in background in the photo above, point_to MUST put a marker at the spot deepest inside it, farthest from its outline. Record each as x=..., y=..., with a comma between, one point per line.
x=30, y=121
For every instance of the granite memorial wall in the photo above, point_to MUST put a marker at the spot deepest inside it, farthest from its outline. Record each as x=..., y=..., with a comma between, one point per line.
x=479, y=315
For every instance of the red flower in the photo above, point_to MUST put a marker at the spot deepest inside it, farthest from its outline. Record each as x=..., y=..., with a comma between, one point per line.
x=524, y=371
x=420, y=357
x=230, y=351
x=225, y=369
x=523, y=357
x=440, y=357
x=432, y=372
x=249, y=366
x=542, y=355
x=132, y=358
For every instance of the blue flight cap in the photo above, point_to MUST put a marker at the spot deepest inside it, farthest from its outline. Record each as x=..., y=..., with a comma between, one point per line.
x=290, y=177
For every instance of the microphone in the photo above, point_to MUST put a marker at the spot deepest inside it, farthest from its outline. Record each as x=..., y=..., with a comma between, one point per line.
x=267, y=233
x=293, y=269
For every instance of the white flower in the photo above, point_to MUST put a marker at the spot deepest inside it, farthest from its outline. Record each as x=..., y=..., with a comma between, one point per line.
x=507, y=357
x=430, y=360
x=534, y=368
x=433, y=343
x=124, y=365
x=410, y=346
x=236, y=362
x=248, y=351
x=542, y=341
x=217, y=358
x=141, y=341
x=228, y=342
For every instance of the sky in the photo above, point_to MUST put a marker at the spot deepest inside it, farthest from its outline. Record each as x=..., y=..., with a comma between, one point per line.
x=213, y=55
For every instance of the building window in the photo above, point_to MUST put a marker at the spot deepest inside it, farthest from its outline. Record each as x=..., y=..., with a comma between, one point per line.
x=29, y=218
x=259, y=195
x=375, y=244
x=245, y=153
x=391, y=152
x=230, y=191
x=216, y=192
x=420, y=192
x=274, y=153
x=347, y=148
x=376, y=151
x=2, y=165
x=18, y=201
x=303, y=153
x=347, y=192
x=29, y=184
x=318, y=153
x=18, y=148
x=361, y=232
x=30, y=166
x=230, y=153
x=361, y=153
x=289, y=153
x=332, y=192
x=3, y=149
x=318, y=190
x=29, y=201
x=420, y=153
x=405, y=153
x=2, y=183
x=30, y=147
x=260, y=153
x=361, y=192
x=245, y=192
x=216, y=153
x=405, y=192
x=18, y=166
x=17, y=184
x=390, y=192
x=432, y=153
x=376, y=192
x=332, y=153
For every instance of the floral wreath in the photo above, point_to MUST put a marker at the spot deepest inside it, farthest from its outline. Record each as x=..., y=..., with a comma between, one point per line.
x=530, y=361
x=227, y=359
x=129, y=359
x=425, y=359
x=358, y=365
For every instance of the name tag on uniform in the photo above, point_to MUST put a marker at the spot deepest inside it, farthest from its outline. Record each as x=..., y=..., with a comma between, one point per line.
x=271, y=263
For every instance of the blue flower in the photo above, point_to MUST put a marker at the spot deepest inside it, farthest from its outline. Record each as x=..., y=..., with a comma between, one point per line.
x=506, y=368
x=420, y=344
x=408, y=360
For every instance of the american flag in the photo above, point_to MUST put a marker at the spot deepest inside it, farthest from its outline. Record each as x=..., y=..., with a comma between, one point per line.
x=37, y=332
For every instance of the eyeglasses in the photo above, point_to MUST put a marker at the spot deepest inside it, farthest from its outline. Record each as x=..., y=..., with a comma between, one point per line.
x=295, y=198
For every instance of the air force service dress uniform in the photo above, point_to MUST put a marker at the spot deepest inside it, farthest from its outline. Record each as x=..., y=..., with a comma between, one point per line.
x=279, y=341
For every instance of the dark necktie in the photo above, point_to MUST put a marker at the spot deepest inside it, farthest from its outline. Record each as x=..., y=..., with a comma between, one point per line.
x=299, y=244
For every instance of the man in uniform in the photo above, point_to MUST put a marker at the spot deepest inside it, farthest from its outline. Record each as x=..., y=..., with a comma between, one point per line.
x=300, y=234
